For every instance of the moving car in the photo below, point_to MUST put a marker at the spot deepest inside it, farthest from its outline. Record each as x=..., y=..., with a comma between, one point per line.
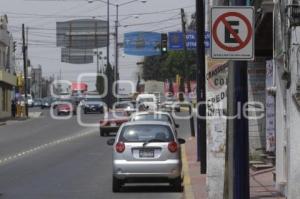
x=170, y=105
x=149, y=100
x=66, y=107
x=112, y=122
x=146, y=150
x=154, y=116
x=46, y=102
x=37, y=102
x=128, y=106
x=92, y=105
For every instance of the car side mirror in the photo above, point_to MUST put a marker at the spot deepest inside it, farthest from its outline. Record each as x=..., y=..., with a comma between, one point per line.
x=177, y=125
x=110, y=142
x=181, y=141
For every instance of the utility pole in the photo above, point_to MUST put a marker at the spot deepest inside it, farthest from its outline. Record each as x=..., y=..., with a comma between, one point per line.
x=237, y=173
x=187, y=70
x=201, y=92
x=117, y=48
x=24, y=50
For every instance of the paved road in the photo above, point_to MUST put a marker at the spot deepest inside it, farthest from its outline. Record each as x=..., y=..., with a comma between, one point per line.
x=59, y=159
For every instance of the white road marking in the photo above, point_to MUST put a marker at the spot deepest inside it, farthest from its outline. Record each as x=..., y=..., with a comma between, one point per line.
x=43, y=146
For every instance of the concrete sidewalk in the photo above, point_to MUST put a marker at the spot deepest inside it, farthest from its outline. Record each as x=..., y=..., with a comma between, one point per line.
x=261, y=182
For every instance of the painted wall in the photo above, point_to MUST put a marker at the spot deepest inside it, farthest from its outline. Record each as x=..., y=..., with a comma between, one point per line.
x=293, y=120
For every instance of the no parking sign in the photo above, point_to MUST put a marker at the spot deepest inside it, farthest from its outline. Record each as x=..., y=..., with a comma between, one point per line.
x=232, y=33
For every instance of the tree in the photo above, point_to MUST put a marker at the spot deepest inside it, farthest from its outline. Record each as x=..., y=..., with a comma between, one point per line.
x=109, y=99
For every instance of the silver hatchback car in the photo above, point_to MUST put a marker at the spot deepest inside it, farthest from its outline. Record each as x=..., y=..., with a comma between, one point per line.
x=146, y=151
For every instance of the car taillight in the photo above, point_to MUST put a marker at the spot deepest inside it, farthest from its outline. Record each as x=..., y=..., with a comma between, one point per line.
x=120, y=147
x=173, y=147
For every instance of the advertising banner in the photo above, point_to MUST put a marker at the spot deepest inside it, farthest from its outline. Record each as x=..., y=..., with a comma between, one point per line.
x=142, y=43
x=270, y=110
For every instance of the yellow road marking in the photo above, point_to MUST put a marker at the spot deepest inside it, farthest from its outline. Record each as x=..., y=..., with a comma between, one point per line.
x=188, y=189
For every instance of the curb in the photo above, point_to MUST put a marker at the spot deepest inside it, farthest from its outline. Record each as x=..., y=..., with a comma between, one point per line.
x=2, y=123
x=188, y=189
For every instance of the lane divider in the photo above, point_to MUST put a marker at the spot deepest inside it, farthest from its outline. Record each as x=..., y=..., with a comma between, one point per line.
x=47, y=145
x=188, y=188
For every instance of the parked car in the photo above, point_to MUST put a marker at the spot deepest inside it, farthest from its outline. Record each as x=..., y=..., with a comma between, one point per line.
x=92, y=105
x=146, y=150
x=66, y=107
x=170, y=105
x=154, y=116
x=29, y=100
x=112, y=122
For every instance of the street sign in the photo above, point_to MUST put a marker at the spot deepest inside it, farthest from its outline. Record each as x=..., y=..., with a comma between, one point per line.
x=176, y=40
x=232, y=33
x=142, y=43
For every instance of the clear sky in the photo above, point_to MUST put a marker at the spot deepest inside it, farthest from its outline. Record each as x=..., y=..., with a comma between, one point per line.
x=41, y=17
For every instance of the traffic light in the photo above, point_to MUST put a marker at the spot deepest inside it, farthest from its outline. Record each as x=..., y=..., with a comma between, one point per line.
x=164, y=43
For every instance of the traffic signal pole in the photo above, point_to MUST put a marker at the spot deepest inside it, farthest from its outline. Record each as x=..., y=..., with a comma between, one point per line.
x=187, y=70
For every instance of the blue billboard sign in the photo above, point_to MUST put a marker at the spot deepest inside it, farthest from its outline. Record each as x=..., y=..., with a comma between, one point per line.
x=207, y=39
x=176, y=40
x=142, y=43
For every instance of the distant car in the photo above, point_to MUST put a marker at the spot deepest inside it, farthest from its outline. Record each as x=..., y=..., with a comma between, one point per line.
x=29, y=100
x=112, y=122
x=92, y=105
x=37, y=102
x=149, y=100
x=147, y=150
x=66, y=107
x=128, y=106
x=46, y=103
x=170, y=105
x=154, y=116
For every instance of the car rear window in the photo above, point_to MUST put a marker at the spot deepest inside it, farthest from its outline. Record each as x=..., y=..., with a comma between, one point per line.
x=144, y=133
x=151, y=117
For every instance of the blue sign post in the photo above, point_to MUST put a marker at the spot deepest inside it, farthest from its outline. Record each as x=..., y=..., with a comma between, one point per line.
x=142, y=43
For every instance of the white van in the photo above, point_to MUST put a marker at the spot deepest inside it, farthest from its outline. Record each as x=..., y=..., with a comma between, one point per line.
x=149, y=100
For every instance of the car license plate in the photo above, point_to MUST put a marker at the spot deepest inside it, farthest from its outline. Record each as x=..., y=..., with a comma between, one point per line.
x=146, y=153
x=113, y=124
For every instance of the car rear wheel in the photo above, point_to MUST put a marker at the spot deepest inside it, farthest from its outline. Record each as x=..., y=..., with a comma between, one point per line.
x=176, y=184
x=116, y=185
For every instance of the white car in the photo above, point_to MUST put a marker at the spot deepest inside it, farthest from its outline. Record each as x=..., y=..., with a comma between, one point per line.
x=146, y=150
x=149, y=100
x=29, y=100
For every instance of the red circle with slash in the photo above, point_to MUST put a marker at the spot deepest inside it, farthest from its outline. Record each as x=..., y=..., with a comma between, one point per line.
x=242, y=43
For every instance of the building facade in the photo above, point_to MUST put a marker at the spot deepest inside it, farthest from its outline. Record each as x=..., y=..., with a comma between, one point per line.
x=8, y=78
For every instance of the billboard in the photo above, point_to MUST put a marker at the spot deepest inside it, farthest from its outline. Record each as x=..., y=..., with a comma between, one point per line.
x=142, y=43
x=176, y=40
x=77, y=56
x=81, y=34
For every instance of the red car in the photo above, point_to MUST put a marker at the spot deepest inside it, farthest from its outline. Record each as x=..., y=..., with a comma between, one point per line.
x=66, y=107
x=112, y=122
